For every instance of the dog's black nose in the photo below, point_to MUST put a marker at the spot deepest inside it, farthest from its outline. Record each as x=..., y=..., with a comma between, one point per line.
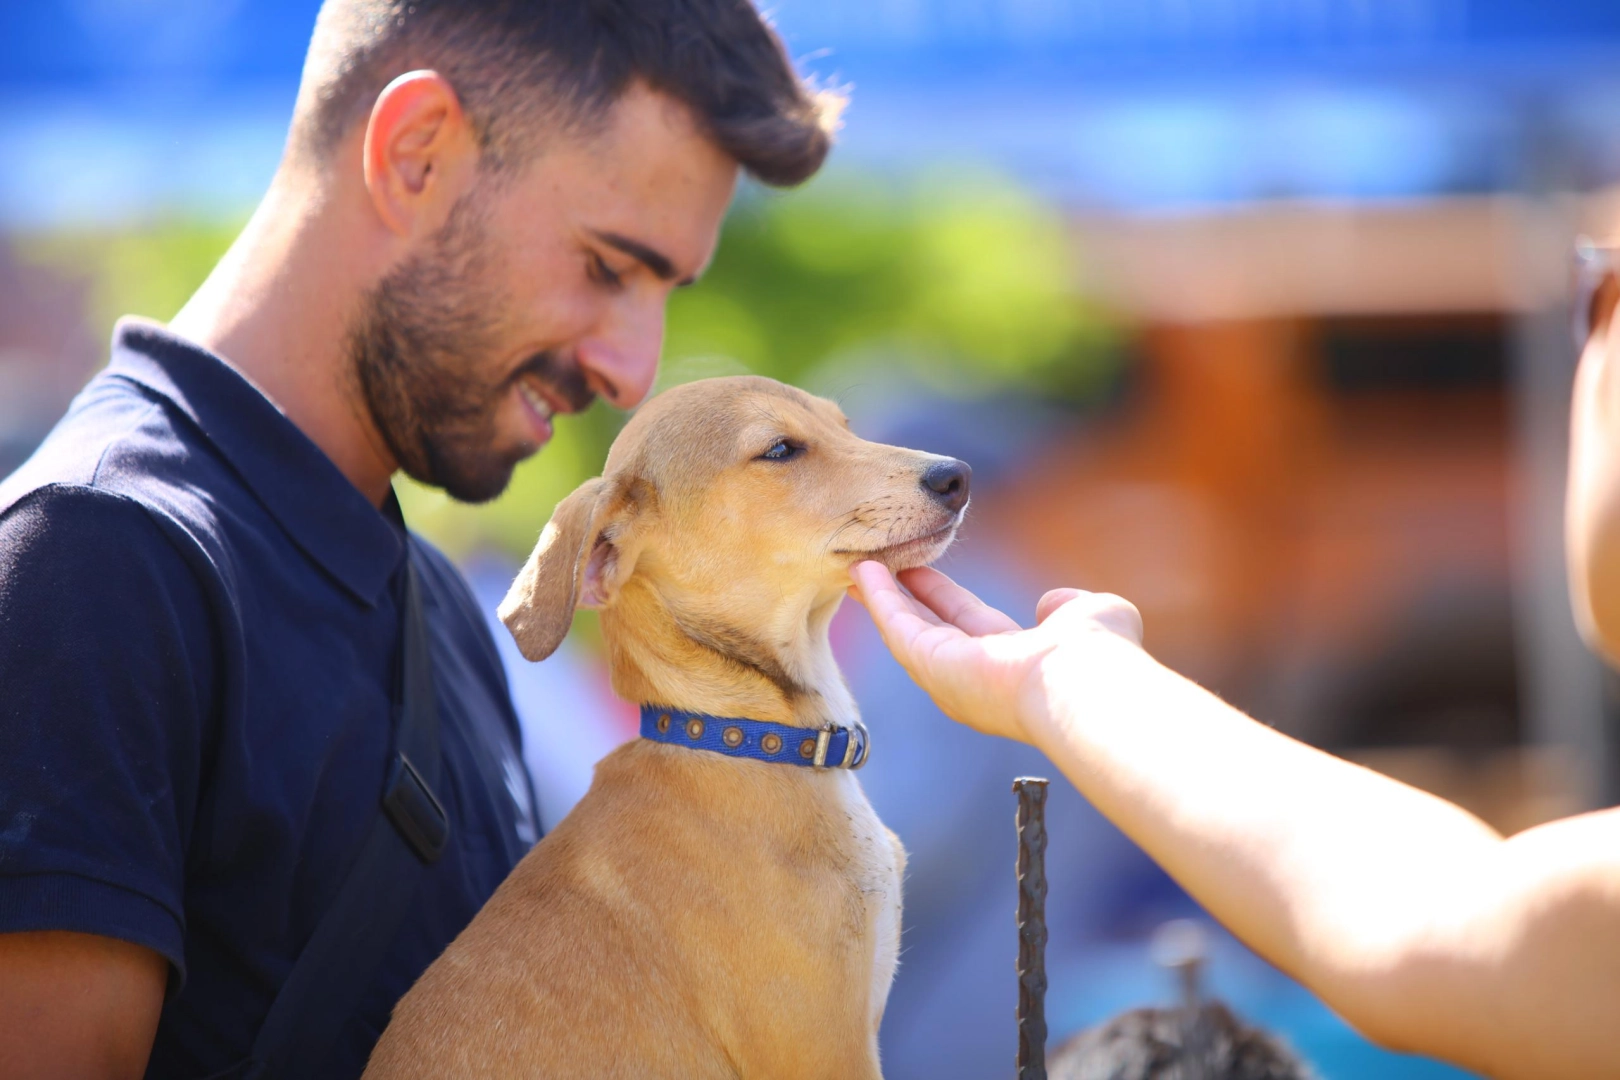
x=948, y=480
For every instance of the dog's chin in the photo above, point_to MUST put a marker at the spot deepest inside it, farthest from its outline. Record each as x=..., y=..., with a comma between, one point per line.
x=914, y=553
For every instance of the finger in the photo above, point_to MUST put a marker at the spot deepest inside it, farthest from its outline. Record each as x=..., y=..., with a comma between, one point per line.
x=873, y=578
x=910, y=631
x=890, y=606
x=911, y=605
x=955, y=604
x=1053, y=600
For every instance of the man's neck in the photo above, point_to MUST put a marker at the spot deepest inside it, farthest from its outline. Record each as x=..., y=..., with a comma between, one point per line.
x=277, y=308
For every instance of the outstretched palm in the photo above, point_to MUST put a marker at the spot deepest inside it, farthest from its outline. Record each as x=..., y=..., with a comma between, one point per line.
x=979, y=665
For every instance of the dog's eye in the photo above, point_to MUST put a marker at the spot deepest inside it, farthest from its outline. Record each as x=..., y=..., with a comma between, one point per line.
x=781, y=450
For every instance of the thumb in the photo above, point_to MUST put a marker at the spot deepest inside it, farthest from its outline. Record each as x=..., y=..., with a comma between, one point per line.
x=1054, y=600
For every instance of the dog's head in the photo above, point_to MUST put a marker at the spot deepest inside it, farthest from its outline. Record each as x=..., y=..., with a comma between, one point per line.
x=741, y=504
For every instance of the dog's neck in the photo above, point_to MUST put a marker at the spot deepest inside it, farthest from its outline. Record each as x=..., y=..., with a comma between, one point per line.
x=664, y=649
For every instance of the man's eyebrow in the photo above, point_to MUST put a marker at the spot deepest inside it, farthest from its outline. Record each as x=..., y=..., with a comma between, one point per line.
x=654, y=260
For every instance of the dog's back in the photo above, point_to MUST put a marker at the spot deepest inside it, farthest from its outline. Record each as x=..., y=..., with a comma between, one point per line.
x=637, y=941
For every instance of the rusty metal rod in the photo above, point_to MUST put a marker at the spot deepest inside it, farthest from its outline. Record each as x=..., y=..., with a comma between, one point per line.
x=1031, y=792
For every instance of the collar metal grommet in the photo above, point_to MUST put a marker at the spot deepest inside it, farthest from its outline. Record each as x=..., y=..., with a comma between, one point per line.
x=771, y=742
x=732, y=737
x=663, y=723
x=694, y=729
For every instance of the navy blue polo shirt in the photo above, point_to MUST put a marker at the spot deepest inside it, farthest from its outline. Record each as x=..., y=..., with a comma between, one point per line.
x=199, y=640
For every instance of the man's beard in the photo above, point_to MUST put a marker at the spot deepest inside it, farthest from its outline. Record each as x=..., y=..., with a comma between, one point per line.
x=423, y=350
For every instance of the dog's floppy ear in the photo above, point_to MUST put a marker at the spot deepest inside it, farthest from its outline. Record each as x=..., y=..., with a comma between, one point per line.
x=570, y=568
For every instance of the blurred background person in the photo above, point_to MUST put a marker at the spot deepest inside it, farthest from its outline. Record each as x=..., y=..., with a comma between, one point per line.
x=1253, y=313
x=1204, y=1043
x=1196, y=1039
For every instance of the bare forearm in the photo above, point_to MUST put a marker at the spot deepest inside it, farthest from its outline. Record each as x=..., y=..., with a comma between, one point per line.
x=77, y=1005
x=1410, y=917
x=1325, y=868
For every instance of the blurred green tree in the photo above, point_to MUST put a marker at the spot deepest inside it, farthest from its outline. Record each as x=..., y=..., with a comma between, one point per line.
x=148, y=268
x=963, y=281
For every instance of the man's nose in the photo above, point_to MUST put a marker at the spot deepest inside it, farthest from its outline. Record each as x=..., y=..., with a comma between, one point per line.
x=621, y=361
x=948, y=481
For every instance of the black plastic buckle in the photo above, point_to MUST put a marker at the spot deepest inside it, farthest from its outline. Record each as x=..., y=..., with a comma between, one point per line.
x=416, y=812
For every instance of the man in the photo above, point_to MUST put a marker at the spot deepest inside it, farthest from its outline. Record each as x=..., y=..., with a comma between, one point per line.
x=1415, y=921
x=481, y=211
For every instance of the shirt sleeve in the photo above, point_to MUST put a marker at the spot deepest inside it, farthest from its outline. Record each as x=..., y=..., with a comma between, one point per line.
x=106, y=679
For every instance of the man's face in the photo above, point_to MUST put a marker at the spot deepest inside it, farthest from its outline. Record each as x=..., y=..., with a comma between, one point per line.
x=545, y=288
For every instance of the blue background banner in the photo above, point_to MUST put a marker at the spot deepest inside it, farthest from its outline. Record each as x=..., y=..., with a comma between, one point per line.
x=232, y=43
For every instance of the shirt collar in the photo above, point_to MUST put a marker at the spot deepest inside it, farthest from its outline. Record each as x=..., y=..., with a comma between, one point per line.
x=325, y=514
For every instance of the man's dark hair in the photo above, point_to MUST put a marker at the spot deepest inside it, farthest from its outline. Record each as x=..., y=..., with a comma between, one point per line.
x=1207, y=1043
x=520, y=65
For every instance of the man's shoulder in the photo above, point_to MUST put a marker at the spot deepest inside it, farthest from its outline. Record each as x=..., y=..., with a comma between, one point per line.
x=63, y=539
x=117, y=451
x=103, y=413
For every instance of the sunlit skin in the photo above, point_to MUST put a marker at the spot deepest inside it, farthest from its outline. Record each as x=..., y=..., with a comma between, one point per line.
x=77, y=1005
x=1592, y=508
x=1415, y=921
x=588, y=239
x=566, y=230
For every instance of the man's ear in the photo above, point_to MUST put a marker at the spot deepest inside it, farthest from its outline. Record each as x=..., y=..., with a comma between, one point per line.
x=575, y=564
x=418, y=153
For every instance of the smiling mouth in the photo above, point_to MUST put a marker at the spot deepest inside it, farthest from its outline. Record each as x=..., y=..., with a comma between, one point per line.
x=535, y=399
x=540, y=409
x=550, y=384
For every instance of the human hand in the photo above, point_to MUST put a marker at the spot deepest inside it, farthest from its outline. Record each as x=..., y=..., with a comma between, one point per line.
x=980, y=666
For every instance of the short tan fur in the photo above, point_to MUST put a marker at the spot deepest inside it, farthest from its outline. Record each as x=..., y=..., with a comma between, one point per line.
x=698, y=915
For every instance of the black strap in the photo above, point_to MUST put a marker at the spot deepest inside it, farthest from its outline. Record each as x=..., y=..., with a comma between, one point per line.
x=337, y=966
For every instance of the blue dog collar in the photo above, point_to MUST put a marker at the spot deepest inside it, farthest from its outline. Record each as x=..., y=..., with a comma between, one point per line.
x=831, y=747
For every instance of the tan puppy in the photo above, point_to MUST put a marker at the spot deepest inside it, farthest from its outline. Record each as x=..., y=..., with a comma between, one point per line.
x=699, y=915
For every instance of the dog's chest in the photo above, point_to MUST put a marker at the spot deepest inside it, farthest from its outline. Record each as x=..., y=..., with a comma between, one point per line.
x=877, y=869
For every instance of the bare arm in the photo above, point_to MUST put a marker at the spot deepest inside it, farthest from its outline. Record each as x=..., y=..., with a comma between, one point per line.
x=1592, y=505
x=77, y=1005
x=1411, y=918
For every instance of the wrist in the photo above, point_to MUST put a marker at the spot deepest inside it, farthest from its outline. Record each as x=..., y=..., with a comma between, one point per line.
x=1089, y=675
